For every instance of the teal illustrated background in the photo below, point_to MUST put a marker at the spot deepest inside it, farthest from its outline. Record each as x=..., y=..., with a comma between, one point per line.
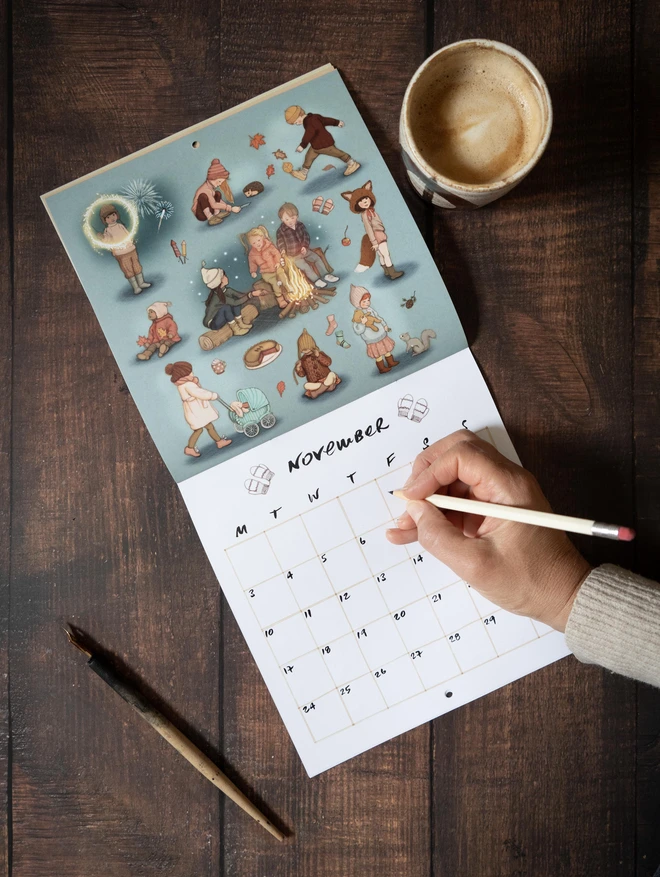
x=176, y=170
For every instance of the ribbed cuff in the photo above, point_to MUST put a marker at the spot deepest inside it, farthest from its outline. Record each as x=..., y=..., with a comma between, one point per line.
x=615, y=622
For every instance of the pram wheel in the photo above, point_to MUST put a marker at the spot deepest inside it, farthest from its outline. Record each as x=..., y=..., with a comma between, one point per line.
x=238, y=426
x=251, y=429
x=268, y=420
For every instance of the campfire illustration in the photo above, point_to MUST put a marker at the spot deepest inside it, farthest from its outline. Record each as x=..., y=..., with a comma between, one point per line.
x=300, y=294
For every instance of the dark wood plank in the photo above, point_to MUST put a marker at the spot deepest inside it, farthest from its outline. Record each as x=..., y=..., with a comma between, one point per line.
x=5, y=440
x=101, y=536
x=369, y=816
x=646, y=231
x=539, y=777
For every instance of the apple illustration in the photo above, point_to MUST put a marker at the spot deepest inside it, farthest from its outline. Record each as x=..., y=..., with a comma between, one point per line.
x=345, y=242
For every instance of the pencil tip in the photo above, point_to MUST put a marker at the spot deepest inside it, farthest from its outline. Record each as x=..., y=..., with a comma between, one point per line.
x=391, y=492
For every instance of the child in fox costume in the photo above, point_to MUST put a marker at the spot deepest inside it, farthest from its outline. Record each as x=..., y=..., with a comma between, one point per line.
x=362, y=201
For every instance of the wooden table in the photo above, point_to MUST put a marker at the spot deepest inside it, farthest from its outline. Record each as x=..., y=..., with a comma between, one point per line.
x=557, y=775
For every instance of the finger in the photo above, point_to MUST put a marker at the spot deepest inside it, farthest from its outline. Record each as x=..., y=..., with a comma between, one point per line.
x=443, y=540
x=401, y=537
x=489, y=475
x=405, y=522
x=437, y=449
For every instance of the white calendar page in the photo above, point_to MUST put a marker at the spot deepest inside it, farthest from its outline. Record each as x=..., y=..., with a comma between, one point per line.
x=359, y=640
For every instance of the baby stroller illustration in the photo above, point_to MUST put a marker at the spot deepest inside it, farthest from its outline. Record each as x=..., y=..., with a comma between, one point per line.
x=257, y=412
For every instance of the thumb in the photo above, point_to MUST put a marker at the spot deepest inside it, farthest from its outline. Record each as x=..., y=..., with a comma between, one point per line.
x=442, y=539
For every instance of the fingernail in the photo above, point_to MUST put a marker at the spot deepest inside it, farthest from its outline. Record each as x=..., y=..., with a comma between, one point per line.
x=415, y=510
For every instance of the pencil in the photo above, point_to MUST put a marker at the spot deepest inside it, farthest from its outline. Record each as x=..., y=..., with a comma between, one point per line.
x=527, y=516
x=168, y=732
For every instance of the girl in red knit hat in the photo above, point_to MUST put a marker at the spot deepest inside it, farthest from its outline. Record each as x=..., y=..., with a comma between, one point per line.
x=214, y=200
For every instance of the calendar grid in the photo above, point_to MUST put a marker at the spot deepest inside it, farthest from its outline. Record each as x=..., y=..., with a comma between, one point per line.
x=325, y=655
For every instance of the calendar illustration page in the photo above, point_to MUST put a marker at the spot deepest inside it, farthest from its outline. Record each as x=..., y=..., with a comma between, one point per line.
x=358, y=639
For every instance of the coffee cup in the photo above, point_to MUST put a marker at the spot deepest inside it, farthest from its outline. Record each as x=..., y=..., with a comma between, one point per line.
x=476, y=118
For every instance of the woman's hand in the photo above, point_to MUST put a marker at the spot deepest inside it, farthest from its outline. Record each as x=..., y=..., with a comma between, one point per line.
x=528, y=570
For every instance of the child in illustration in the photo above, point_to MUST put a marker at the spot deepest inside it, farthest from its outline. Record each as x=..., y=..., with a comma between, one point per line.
x=317, y=139
x=314, y=365
x=293, y=241
x=224, y=304
x=197, y=410
x=362, y=201
x=214, y=200
x=373, y=329
x=123, y=248
x=163, y=332
x=264, y=258
x=253, y=189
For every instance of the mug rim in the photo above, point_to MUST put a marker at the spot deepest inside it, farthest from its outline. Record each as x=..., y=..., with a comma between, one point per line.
x=477, y=188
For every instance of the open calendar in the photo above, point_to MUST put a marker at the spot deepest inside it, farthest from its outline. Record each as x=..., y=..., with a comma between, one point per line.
x=291, y=346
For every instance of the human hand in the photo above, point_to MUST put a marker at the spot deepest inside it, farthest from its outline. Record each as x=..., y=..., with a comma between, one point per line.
x=299, y=149
x=254, y=274
x=236, y=209
x=528, y=570
x=303, y=251
x=340, y=125
x=363, y=320
x=214, y=396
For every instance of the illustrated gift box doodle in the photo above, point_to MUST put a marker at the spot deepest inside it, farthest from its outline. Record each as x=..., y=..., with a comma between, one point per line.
x=291, y=346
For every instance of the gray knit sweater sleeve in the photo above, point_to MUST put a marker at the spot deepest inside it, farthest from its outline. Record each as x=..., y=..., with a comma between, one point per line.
x=615, y=622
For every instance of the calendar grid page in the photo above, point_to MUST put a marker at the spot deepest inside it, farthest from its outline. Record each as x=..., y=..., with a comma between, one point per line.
x=358, y=639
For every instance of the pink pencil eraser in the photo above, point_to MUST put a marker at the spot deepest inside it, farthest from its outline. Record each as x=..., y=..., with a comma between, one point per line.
x=626, y=534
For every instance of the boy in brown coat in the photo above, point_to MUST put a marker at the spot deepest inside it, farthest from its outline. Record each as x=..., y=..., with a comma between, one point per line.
x=314, y=365
x=317, y=139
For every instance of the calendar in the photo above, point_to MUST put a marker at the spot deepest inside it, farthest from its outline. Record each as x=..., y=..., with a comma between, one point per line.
x=359, y=639
x=291, y=346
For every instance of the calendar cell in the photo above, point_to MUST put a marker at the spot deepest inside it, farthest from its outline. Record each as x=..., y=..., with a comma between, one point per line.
x=379, y=552
x=327, y=620
x=484, y=605
x=345, y=565
x=291, y=544
x=394, y=480
x=272, y=601
x=326, y=715
x=398, y=681
x=309, y=583
x=344, y=659
x=365, y=508
x=380, y=643
x=253, y=561
x=362, y=698
x=471, y=646
x=541, y=628
x=363, y=603
x=453, y=607
x=308, y=677
x=508, y=631
x=290, y=639
x=417, y=624
x=400, y=585
x=327, y=526
x=433, y=574
x=435, y=663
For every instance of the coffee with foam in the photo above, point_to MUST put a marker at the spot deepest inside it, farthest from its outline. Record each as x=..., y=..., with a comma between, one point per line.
x=477, y=116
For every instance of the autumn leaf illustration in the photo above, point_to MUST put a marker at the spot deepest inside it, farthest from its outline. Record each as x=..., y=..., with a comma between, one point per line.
x=270, y=170
x=279, y=153
x=257, y=140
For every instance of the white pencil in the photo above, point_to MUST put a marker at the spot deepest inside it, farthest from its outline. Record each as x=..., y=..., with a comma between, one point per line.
x=528, y=516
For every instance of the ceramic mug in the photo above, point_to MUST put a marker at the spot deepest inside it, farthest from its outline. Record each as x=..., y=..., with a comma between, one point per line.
x=476, y=118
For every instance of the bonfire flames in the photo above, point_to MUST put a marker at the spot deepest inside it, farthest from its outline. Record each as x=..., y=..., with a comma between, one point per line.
x=298, y=287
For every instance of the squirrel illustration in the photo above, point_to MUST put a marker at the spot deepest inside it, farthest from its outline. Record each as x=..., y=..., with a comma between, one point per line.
x=418, y=345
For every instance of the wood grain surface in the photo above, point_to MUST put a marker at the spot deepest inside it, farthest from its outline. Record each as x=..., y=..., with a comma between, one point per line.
x=557, y=775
